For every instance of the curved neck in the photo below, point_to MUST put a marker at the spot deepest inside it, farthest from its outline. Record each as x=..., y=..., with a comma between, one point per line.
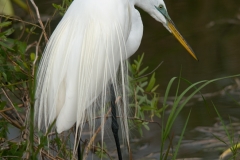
x=143, y=4
x=137, y=2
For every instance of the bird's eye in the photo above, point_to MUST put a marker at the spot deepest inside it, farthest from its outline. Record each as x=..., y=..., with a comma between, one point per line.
x=160, y=6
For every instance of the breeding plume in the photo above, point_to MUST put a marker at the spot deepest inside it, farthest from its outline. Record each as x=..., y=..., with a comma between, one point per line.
x=86, y=54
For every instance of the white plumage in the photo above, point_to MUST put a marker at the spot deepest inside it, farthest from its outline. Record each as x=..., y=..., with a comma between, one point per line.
x=85, y=54
x=81, y=59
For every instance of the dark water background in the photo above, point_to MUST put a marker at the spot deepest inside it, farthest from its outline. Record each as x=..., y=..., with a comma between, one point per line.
x=212, y=28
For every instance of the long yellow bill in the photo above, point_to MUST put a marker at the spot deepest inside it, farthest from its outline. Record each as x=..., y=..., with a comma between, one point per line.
x=180, y=38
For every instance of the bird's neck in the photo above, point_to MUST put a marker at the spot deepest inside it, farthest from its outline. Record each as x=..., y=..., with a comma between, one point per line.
x=135, y=2
x=140, y=3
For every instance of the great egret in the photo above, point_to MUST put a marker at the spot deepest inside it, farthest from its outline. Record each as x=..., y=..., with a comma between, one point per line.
x=86, y=54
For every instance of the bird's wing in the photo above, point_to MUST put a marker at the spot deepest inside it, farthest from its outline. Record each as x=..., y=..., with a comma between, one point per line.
x=81, y=58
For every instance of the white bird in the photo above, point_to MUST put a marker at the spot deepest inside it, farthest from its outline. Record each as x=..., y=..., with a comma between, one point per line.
x=85, y=54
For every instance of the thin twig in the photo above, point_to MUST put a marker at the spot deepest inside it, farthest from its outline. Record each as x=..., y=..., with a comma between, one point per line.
x=30, y=46
x=4, y=16
x=150, y=72
x=6, y=95
x=94, y=136
x=39, y=19
x=36, y=56
x=6, y=109
x=11, y=121
x=63, y=143
x=20, y=68
x=37, y=50
x=103, y=151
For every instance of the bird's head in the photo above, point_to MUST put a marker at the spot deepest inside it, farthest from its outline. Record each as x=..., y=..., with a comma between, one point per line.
x=157, y=9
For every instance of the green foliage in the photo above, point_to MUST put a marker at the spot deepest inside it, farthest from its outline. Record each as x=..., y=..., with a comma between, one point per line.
x=15, y=64
x=179, y=102
x=63, y=7
x=181, y=137
x=143, y=88
x=101, y=151
x=15, y=149
x=3, y=129
x=15, y=81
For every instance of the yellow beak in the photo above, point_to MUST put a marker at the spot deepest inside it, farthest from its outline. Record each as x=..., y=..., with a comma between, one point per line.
x=180, y=38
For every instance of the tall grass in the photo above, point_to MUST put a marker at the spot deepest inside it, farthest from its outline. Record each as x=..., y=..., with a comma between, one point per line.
x=179, y=102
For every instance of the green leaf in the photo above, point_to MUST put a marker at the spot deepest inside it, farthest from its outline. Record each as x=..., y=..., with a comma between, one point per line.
x=21, y=46
x=133, y=67
x=8, y=32
x=5, y=76
x=6, y=46
x=154, y=89
x=141, y=79
x=136, y=63
x=151, y=83
x=140, y=131
x=145, y=125
x=147, y=108
x=143, y=84
x=143, y=71
x=56, y=6
x=142, y=99
x=5, y=24
x=17, y=108
x=25, y=65
x=17, y=68
x=139, y=89
x=181, y=137
x=2, y=105
x=140, y=62
x=32, y=56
